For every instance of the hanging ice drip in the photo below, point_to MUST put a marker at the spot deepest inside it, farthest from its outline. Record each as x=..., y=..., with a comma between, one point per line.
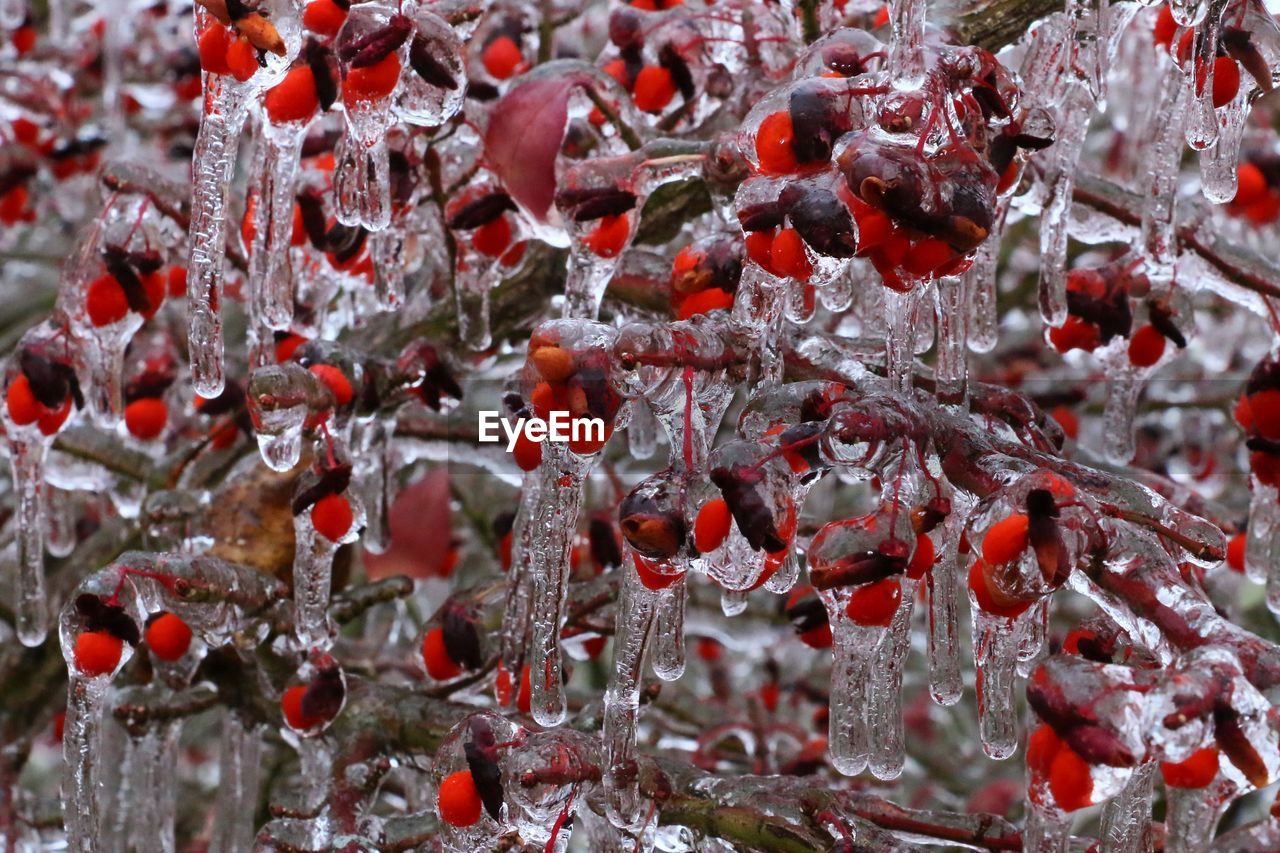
x=41, y=390
x=371, y=48
x=490, y=243
x=243, y=50
x=569, y=375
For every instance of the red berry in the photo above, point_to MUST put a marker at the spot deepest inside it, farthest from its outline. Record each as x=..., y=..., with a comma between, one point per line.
x=435, y=655
x=105, y=301
x=242, y=59
x=1075, y=334
x=584, y=446
x=1070, y=780
x=337, y=381
x=654, y=88
x=760, y=249
x=287, y=346
x=293, y=98
x=1265, y=467
x=291, y=704
x=1236, y=551
x=13, y=205
x=1068, y=420
x=874, y=604
x=704, y=302
x=527, y=452
x=502, y=58
x=1196, y=771
x=1264, y=413
x=155, y=287
x=651, y=576
x=989, y=599
x=24, y=40
x=1042, y=747
x=374, y=81
x=788, y=256
x=1165, y=27
x=709, y=650
x=1226, y=81
x=928, y=256
x=1251, y=185
x=492, y=238
x=609, y=237
x=1146, y=346
x=1265, y=210
x=168, y=637
x=923, y=558
x=51, y=422
x=145, y=418
x=324, y=17
x=458, y=802
x=97, y=653
x=23, y=406
x=1006, y=540
x=773, y=144
x=712, y=525
x=874, y=227
x=525, y=692
x=212, y=46
x=332, y=517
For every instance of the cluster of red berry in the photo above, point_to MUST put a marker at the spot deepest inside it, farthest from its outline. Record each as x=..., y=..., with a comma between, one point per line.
x=1100, y=309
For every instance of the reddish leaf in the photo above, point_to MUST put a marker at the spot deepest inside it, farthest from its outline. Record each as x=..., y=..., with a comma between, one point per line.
x=421, y=532
x=524, y=137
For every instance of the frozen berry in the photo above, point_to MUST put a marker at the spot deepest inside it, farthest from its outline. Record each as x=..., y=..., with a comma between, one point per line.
x=773, y=144
x=711, y=527
x=332, y=517
x=1146, y=346
x=242, y=59
x=989, y=599
x=291, y=705
x=324, y=17
x=654, y=575
x=527, y=452
x=1165, y=27
x=923, y=558
x=105, y=301
x=435, y=655
x=51, y=422
x=654, y=88
x=1236, y=551
x=337, y=382
x=168, y=637
x=1070, y=780
x=1075, y=334
x=1226, y=81
x=874, y=604
x=293, y=98
x=1196, y=771
x=1251, y=185
x=502, y=58
x=23, y=406
x=1006, y=540
x=493, y=237
x=704, y=302
x=97, y=653
x=373, y=81
x=609, y=237
x=1067, y=420
x=788, y=256
x=212, y=46
x=145, y=418
x=459, y=802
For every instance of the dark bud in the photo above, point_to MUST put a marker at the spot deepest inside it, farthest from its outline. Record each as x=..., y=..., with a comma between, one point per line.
x=586, y=205
x=502, y=523
x=100, y=616
x=117, y=262
x=604, y=545
x=761, y=217
x=1235, y=745
x=428, y=67
x=324, y=695
x=821, y=220
x=485, y=773
x=345, y=241
x=625, y=28
x=1161, y=318
x=1045, y=537
x=650, y=522
x=800, y=445
x=1238, y=44
x=670, y=59
x=460, y=638
x=817, y=121
x=740, y=486
x=807, y=614
x=50, y=380
x=482, y=211
x=332, y=481
x=313, y=220
x=844, y=59
x=374, y=47
x=318, y=60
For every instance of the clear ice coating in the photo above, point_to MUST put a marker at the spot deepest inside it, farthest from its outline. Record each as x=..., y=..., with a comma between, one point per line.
x=859, y=281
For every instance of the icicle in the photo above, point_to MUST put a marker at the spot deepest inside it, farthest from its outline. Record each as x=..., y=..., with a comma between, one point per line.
x=757, y=306
x=1048, y=830
x=1059, y=180
x=387, y=251
x=275, y=165
x=634, y=626
x=1188, y=13
x=1262, y=548
x=27, y=460
x=1191, y=816
x=1123, y=390
x=642, y=431
x=59, y=521
x=995, y=653
x=884, y=695
x=1033, y=629
x=80, y=735
x=1160, y=187
x=983, y=322
x=668, y=632
x=1201, y=126
x=239, y=766
x=278, y=402
x=945, y=683
x=1219, y=165
x=471, y=293
x=515, y=617
x=213, y=164
x=312, y=580
x=853, y=649
x=555, y=519
x=901, y=314
x=1088, y=25
x=951, y=369
x=154, y=768
x=906, y=43
x=733, y=602
x=1126, y=820
x=362, y=170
